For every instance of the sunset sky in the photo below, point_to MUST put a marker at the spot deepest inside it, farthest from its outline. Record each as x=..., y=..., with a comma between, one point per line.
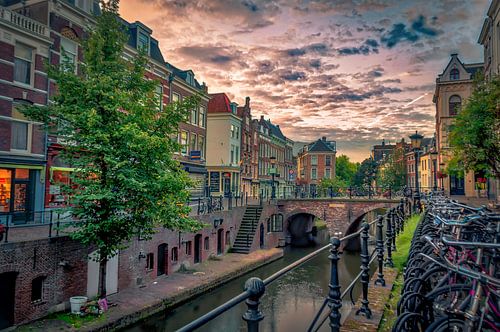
x=356, y=71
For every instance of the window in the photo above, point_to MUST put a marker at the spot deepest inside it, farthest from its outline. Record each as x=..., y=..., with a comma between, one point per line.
x=20, y=132
x=313, y=173
x=193, y=141
x=232, y=153
x=175, y=97
x=228, y=238
x=175, y=255
x=454, y=104
x=190, y=78
x=454, y=74
x=201, y=145
x=184, y=141
x=37, y=289
x=237, y=132
x=194, y=116
x=143, y=42
x=314, y=160
x=207, y=243
x=328, y=160
x=23, y=57
x=68, y=54
x=237, y=155
x=276, y=223
x=233, y=128
x=201, y=120
x=150, y=261
x=328, y=173
x=188, y=248
x=159, y=97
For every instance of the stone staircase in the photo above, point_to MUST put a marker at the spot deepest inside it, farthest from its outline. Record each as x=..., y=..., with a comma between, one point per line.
x=248, y=228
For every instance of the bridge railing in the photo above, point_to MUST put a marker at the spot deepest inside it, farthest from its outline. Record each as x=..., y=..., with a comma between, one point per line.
x=352, y=192
x=387, y=227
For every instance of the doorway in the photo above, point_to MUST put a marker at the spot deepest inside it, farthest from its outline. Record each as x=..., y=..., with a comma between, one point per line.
x=162, y=267
x=7, y=289
x=220, y=241
x=197, y=248
x=456, y=185
x=227, y=185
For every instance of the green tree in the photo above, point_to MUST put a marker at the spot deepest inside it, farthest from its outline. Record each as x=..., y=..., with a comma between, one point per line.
x=366, y=173
x=335, y=185
x=475, y=133
x=392, y=173
x=126, y=182
x=345, y=169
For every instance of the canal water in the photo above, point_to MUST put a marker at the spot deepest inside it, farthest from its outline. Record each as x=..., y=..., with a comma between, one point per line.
x=289, y=304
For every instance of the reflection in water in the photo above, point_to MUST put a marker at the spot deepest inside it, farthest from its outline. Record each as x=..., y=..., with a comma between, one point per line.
x=289, y=304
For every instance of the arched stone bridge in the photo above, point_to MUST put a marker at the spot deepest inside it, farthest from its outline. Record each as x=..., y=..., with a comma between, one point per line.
x=339, y=213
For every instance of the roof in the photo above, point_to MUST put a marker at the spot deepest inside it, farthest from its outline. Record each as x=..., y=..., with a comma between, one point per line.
x=275, y=130
x=322, y=145
x=474, y=68
x=219, y=103
x=182, y=74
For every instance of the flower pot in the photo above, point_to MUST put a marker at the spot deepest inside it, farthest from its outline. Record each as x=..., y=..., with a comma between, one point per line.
x=76, y=303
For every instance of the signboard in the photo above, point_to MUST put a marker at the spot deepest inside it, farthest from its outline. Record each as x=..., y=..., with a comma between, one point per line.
x=336, y=205
x=214, y=181
x=195, y=155
x=54, y=190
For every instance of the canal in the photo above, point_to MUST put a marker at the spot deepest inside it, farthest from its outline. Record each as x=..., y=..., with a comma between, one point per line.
x=289, y=304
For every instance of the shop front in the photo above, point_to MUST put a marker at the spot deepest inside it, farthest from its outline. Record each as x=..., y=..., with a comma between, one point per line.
x=21, y=193
x=224, y=182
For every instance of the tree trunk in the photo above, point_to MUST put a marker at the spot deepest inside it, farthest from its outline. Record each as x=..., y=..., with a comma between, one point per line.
x=102, y=278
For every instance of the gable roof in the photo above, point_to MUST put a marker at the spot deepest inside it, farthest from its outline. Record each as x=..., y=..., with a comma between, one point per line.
x=472, y=68
x=219, y=103
x=321, y=145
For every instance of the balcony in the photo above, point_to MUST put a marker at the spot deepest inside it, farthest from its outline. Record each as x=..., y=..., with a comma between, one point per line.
x=24, y=23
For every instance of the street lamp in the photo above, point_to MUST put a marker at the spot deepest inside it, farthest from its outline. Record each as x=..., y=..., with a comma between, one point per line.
x=273, y=172
x=416, y=141
x=441, y=166
x=434, y=155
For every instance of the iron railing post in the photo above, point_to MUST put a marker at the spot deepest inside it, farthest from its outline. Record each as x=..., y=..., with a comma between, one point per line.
x=388, y=241
x=7, y=226
x=253, y=315
x=394, y=229
x=199, y=205
x=334, y=300
x=365, y=276
x=50, y=222
x=58, y=223
x=380, y=251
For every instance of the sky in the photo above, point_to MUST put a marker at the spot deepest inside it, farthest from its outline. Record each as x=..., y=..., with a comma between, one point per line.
x=355, y=71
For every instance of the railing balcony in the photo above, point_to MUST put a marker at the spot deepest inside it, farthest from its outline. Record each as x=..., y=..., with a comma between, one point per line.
x=24, y=22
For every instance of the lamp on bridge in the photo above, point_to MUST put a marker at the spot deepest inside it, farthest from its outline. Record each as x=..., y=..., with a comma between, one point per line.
x=416, y=141
x=273, y=173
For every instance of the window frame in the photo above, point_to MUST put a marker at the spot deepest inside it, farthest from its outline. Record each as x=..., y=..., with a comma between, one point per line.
x=454, y=74
x=64, y=52
x=31, y=65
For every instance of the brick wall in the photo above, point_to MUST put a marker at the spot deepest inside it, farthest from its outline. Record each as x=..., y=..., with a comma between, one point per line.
x=42, y=258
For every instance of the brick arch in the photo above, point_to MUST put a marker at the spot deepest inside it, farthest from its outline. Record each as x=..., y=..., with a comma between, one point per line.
x=287, y=216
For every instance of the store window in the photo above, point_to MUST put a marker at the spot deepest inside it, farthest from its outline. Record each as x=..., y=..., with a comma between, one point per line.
x=5, y=189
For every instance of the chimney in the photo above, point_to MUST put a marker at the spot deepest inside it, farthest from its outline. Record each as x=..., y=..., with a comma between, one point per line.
x=383, y=142
x=262, y=118
x=247, y=102
x=323, y=138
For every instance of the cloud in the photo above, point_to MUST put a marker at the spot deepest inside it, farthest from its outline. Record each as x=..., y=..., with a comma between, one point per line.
x=368, y=47
x=400, y=33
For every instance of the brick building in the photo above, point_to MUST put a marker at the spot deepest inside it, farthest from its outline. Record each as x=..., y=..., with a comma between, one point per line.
x=316, y=161
x=249, y=150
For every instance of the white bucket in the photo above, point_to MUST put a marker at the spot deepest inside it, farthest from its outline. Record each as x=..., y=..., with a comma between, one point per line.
x=76, y=303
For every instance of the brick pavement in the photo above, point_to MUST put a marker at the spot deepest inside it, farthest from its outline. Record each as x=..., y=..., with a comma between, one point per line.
x=134, y=304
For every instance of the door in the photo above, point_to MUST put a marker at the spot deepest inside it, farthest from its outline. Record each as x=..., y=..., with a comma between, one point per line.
x=93, y=275
x=7, y=289
x=162, y=267
x=456, y=185
x=261, y=236
x=227, y=186
x=197, y=248
x=220, y=241
x=22, y=194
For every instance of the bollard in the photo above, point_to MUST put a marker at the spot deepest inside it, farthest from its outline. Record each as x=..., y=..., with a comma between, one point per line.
x=334, y=300
x=365, y=276
x=380, y=251
x=256, y=288
x=388, y=241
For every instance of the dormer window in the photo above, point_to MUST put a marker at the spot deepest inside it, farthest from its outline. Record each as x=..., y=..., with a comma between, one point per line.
x=143, y=42
x=190, y=78
x=454, y=74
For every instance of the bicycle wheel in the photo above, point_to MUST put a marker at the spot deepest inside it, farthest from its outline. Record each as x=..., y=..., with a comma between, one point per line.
x=409, y=322
x=448, y=298
x=448, y=323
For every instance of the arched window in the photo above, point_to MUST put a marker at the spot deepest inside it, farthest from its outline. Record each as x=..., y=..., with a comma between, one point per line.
x=454, y=74
x=454, y=104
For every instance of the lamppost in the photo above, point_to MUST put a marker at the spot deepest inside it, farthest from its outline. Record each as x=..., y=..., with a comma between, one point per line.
x=441, y=166
x=273, y=172
x=416, y=140
x=434, y=155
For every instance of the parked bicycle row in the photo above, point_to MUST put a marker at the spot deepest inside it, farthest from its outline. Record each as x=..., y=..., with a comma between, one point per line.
x=452, y=277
